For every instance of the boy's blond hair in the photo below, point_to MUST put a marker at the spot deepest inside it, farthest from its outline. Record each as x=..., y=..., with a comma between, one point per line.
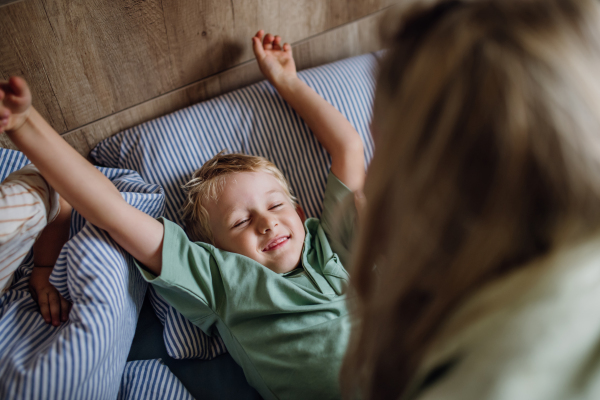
x=207, y=183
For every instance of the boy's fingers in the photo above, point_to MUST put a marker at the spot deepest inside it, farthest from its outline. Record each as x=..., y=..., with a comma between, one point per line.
x=33, y=293
x=18, y=85
x=5, y=89
x=54, y=308
x=14, y=99
x=16, y=104
x=259, y=52
x=287, y=47
x=268, y=42
x=44, y=307
x=65, y=307
x=277, y=43
x=260, y=34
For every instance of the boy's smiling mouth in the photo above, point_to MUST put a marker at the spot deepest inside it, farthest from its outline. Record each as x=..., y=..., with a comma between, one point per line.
x=276, y=243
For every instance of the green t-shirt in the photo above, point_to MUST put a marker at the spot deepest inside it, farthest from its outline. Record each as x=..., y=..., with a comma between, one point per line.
x=288, y=331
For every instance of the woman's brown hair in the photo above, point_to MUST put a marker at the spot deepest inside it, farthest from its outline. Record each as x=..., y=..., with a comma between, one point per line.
x=487, y=127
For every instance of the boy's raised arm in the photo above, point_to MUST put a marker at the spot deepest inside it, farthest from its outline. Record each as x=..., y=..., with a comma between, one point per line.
x=331, y=128
x=75, y=179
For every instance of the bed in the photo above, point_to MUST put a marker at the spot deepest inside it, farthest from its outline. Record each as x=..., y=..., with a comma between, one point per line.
x=98, y=353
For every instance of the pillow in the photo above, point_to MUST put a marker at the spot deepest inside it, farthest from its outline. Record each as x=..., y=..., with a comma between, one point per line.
x=151, y=380
x=253, y=120
x=10, y=161
x=84, y=357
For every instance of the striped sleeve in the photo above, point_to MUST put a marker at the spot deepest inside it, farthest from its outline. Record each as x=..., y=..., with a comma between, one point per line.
x=27, y=205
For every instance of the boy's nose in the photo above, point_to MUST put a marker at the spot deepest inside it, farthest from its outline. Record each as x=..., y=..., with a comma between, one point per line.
x=266, y=224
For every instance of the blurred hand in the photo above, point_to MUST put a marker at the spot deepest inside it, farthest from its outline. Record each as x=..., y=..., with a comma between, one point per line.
x=54, y=308
x=15, y=103
x=274, y=59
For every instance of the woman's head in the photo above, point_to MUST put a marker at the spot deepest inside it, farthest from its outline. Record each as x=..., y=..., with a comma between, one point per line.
x=487, y=128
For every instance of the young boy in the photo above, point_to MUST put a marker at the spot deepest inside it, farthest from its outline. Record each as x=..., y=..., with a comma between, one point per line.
x=272, y=287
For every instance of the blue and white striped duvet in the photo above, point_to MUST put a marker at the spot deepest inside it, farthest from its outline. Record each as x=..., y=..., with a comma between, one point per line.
x=85, y=357
x=151, y=380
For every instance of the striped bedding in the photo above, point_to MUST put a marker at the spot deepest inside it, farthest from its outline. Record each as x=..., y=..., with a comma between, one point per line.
x=85, y=358
x=253, y=120
x=150, y=380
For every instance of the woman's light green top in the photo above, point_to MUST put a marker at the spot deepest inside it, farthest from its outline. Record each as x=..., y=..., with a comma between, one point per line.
x=533, y=334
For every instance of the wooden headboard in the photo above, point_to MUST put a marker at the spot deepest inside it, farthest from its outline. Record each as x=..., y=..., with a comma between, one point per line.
x=97, y=67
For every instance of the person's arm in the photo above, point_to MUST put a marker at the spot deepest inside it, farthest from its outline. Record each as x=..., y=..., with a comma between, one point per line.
x=53, y=307
x=75, y=179
x=331, y=128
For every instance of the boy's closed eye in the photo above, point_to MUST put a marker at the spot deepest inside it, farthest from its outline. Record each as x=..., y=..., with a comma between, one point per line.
x=238, y=224
x=246, y=220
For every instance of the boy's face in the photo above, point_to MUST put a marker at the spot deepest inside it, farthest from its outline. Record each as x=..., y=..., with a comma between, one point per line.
x=254, y=217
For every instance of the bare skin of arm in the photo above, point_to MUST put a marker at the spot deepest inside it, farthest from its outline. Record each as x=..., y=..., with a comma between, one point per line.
x=76, y=180
x=330, y=127
x=53, y=307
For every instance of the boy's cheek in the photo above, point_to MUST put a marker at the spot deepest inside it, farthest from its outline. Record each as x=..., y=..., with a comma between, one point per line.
x=246, y=246
x=228, y=244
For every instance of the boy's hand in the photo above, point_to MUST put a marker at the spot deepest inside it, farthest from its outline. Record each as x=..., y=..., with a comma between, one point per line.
x=15, y=103
x=54, y=308
x=46, y=249
x=331, y=128
x=274, y=60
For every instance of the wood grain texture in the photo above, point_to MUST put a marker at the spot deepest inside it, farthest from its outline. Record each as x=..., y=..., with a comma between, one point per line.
x=358, y=37
x=23, y=48
x=7, y=2
x=87, y=59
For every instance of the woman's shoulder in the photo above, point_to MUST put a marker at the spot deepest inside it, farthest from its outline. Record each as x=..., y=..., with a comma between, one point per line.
x=532, y=331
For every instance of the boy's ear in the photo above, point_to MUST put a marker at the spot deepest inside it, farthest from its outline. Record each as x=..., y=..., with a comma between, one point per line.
x=300, y=212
